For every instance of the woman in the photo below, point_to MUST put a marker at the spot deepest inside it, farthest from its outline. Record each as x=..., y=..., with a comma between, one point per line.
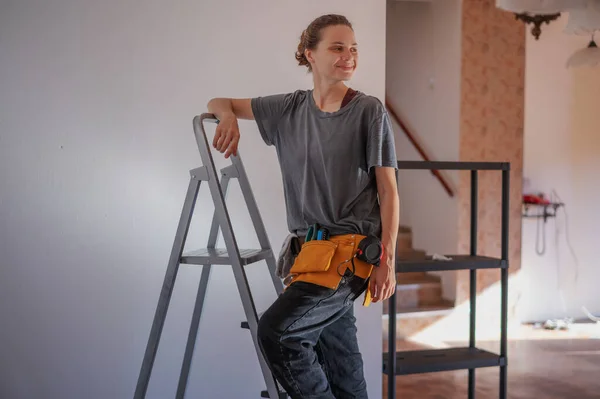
x=336, y=150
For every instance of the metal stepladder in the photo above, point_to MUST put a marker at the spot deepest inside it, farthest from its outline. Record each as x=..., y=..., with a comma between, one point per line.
x=231, y=255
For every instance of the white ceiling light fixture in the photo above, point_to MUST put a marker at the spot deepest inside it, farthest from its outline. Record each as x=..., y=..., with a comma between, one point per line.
x=542, y=7
x=584, y=15
x=589, y=56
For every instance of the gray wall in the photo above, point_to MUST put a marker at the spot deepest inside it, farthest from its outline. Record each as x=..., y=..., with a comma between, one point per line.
x=96, y=108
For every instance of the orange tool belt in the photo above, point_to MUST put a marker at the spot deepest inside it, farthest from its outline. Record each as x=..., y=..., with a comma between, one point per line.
x=324, y=262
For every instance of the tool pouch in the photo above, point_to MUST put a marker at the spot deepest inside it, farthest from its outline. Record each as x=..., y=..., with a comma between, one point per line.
x=287, y=255
x=323, y=262
x=315, y=256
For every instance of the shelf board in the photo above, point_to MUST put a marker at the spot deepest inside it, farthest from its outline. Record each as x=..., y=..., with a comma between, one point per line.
x=436, y=360
x=458, y=262
x=451, y=165
x=543, y=211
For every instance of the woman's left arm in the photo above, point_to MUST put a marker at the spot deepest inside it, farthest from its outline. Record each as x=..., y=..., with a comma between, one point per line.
x=383, y=278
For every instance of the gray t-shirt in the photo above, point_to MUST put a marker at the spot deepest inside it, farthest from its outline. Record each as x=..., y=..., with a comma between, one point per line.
x=327, y=159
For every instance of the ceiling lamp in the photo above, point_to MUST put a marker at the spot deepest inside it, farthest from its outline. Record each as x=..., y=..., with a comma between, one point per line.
x=537, y=20
x=584, y=15
x=542, y=7
x=589, y=56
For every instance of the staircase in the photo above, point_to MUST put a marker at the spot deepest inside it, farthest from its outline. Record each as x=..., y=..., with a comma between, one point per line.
x=419, y=297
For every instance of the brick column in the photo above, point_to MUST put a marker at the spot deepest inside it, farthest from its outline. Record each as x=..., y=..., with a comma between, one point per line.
x=491, y=129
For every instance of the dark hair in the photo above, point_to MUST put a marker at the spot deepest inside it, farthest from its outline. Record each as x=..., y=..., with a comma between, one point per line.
x=311, y=36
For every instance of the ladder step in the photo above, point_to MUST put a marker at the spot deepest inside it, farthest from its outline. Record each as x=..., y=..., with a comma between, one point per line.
x=219, y=256
x=265, y=394
x=245, y=324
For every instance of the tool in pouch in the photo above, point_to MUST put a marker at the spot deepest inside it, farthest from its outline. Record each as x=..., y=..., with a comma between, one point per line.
x=316, y=232
x=370, y=250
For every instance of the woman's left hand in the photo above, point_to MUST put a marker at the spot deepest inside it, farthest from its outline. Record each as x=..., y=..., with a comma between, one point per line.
x=383, y=280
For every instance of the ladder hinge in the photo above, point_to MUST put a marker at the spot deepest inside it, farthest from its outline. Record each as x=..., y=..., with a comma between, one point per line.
x=199, y=173
x=230, y=171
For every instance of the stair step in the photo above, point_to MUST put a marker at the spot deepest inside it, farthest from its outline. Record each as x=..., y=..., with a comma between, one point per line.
x=422, y=278
x=441, y=307
x=404, y=241
x=416, y=291
x=411, y=321
x=411, y=254
x=219, y=256
x=404, y=229
x=409, y=275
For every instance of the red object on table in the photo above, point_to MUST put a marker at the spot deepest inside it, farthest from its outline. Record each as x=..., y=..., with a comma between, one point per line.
x=535, y=199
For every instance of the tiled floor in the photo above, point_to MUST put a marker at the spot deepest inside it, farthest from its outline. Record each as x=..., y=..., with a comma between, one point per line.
x=542, y=364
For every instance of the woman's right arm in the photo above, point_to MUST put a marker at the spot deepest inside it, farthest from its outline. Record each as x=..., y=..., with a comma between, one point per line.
x=223, y=107
x=228, y=111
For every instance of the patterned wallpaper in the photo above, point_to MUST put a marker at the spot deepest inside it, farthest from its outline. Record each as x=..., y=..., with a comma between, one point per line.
x=491, y=129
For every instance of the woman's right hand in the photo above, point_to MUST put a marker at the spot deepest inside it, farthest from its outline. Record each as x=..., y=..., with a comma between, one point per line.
x=227, y=135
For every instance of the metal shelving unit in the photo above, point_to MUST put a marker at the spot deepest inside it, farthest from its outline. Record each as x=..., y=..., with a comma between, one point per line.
x=466, y=358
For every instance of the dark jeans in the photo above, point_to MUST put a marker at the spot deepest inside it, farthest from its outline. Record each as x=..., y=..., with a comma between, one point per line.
x=308, y=337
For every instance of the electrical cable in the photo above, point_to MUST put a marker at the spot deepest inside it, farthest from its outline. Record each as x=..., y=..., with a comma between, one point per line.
x=575, y=259
x=537, y=237
x=567, y=239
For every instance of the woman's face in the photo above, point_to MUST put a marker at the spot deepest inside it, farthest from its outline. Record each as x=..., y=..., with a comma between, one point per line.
x=336, y=55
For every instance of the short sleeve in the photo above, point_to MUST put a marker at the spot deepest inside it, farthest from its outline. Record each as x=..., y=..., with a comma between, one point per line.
x=381, y=147
x=268, y=111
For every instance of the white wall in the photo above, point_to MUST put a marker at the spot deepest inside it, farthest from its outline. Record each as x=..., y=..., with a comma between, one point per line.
x=96, y=140
x=562, y=153
x=423, y=83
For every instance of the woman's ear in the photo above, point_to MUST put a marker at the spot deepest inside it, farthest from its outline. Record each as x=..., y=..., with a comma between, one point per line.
x=309, y=56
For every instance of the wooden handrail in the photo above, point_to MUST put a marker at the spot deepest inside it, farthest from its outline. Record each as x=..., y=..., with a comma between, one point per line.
x=418, y=147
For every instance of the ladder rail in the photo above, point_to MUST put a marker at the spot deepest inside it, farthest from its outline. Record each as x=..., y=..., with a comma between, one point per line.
x=231, y=243
x=167, y=289
x=193, y=333
x=257, y=221
x=200, y=296
x=214, y=225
